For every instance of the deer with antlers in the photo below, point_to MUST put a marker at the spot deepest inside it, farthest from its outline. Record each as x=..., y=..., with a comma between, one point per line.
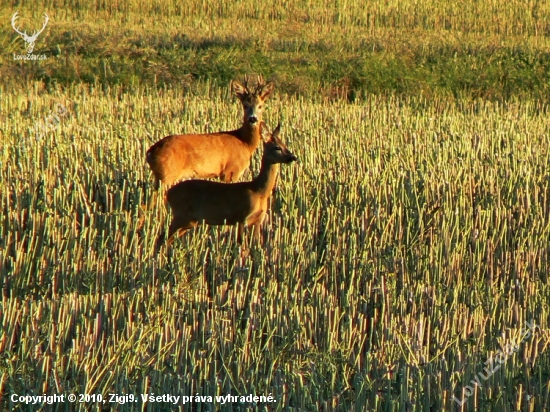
x=29, y=39
x=224, y=155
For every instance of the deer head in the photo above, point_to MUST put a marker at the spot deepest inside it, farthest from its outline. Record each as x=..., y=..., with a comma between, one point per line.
x=253, y=98
x=29, y=39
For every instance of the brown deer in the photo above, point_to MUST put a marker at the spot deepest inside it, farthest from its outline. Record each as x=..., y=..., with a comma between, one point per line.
x=225, y=155
x=216, y=203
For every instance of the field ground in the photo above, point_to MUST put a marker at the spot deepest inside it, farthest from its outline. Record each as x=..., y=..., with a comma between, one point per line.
x=344, y=49
x=404, y=256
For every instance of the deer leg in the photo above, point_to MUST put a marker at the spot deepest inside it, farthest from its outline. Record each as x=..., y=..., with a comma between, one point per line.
x=227, y=177
x=256, y=233
x=152, y=204
x=255, y=218
x=244, y=251
x=178, y=227
x=160, y=242
x=240, y=233
x=257, y=226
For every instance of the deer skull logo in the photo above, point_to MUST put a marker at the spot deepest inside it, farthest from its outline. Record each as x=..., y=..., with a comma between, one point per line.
x=29, y=39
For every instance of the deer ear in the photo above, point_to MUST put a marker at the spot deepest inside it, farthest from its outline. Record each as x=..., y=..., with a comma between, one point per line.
x=266, y=134
x=267, y=90
x=276, y=132
x=238, y=89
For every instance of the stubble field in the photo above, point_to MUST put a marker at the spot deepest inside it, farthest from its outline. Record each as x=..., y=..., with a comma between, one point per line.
x=404, y=258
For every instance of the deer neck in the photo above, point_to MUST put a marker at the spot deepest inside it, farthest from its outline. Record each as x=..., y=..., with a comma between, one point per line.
x=250, y=135
x=265, y=181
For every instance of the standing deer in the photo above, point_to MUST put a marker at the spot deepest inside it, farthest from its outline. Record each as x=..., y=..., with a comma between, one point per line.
x=215, y=203
x=225, y=155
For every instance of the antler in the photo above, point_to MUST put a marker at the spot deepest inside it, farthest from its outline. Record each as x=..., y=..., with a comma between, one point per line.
x=259, y=85
x=24, y=34
x=35, y=34
x=245, y=83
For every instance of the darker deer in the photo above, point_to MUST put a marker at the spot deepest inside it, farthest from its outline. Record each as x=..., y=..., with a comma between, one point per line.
x=215, y=203
x=224, y=155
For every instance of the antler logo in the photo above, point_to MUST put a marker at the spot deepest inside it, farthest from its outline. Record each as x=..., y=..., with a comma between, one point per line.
x=29, y=39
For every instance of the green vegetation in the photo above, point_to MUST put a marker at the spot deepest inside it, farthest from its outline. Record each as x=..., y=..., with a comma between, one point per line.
x=493, y=50
x=409, y=246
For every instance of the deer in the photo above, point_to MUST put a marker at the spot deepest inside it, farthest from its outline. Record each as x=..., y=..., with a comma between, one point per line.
x=223, y=155
x=30, y=40
x=193, y=202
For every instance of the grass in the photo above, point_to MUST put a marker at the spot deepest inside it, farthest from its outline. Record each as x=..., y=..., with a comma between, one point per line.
x=343, y=50
x=408, y=248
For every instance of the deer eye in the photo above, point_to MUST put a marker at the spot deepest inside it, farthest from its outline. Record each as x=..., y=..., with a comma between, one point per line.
x=278, y=148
